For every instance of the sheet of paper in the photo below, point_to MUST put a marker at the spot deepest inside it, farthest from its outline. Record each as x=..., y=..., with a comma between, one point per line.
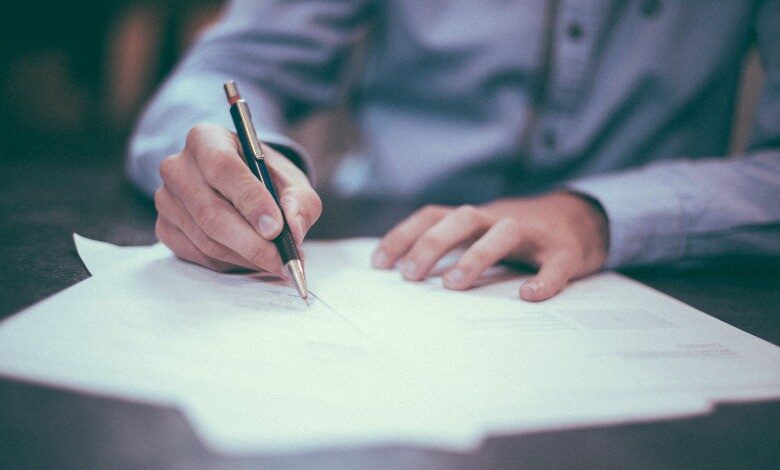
x=604, y=333
x=100, y=256
x=376, y=359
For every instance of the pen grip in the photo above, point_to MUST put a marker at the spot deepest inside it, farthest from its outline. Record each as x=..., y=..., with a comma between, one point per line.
x=284, y=242
x=286, y=245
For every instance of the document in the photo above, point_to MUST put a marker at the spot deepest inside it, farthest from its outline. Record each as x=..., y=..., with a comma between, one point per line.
x=375, y=359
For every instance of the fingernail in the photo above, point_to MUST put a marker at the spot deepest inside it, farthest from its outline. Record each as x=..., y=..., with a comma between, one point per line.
x=267, y=226
x=408, y=269
x=454, y=278
x=379, y=260
x=533, y=289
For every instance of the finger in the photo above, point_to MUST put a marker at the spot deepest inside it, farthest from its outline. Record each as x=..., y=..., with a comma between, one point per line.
x=216, y=216
x=553, y=275
x=178, y=242
x=399, y=239
x=302, y=207
x=173, y=211
x=300, y=203
x=217, y=155
x=498, y=242
x=460, y=225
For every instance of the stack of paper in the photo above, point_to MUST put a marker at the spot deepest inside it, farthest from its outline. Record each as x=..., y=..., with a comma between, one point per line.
x=375, y=359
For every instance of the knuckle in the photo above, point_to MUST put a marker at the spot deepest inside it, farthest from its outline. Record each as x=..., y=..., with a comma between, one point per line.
x=431, y=210
x=208, y=217
x=209, y=247
x=248, y=199
x=466, y=209
x=429, y=242
x=223, y=162
x=314, y=202
x=168, y=168
x=259, y=256
x=510, y=225
x=204, y=244
x=196, y=134
x=288, y=200
x=476, y=255
x=469, y=214
x=219, y=168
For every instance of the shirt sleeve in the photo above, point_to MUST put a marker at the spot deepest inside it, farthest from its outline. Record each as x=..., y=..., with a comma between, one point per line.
x=680, y=211
x=287, y=58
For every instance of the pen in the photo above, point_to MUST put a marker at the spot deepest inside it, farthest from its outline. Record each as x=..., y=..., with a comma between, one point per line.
x=255, y=160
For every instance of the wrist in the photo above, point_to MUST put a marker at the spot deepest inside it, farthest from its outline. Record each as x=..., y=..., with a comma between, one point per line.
x=592, y=220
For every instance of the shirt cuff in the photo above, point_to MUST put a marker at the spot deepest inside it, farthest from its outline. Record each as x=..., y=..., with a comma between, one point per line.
x=290, y=149
x=647, y=214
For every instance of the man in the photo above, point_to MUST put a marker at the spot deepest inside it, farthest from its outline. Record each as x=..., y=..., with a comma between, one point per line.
x=571, y=135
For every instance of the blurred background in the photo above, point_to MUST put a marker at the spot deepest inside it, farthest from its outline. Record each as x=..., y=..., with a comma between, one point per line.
x=75, y=74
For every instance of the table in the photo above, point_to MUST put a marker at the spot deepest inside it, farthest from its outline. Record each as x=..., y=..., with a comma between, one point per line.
x=43, y=426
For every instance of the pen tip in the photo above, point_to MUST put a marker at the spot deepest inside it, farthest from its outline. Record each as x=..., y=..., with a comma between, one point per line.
x=295, y=268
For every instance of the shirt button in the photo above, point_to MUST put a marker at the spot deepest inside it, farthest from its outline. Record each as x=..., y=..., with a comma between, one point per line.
x=574, y=31
x=650, y=8
x=549, y=139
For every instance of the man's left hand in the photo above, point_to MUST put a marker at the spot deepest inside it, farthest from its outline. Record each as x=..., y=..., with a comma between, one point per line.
x=563, y=234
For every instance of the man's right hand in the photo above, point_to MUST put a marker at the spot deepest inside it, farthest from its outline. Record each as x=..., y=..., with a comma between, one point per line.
x=211, y=210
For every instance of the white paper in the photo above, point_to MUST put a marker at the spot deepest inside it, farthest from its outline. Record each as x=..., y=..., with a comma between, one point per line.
x=100, y=256
x=376, y=359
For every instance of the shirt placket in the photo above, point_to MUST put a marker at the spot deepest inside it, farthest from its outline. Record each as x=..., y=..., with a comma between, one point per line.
x=572, y=48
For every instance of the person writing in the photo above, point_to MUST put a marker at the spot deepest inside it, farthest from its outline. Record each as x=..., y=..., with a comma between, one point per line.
x=572, y=136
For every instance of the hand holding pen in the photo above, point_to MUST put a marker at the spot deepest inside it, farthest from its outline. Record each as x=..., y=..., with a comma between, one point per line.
x=214, y=212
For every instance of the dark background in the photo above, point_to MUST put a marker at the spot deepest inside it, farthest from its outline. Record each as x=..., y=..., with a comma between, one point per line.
x=74, y=73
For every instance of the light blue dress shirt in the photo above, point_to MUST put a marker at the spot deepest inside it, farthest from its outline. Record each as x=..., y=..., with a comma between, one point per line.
x=629, y=102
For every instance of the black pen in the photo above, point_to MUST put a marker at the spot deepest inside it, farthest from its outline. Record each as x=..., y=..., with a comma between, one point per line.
x=255, y=160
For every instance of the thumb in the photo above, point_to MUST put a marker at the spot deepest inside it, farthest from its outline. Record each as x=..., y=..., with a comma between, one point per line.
x=553, y=275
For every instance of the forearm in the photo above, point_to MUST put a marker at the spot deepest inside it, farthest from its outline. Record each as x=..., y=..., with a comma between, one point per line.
x=678, y=211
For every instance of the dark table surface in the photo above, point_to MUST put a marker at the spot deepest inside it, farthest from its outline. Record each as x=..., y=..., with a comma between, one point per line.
x=43, y=426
